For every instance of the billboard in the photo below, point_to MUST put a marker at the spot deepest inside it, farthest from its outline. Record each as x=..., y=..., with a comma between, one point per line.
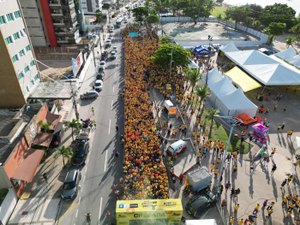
x=149, y=212
x=77, y=63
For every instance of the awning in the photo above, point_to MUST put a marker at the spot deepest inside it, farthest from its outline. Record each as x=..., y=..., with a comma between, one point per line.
x=42, y=139
x=26, y=170
x=245, y=118
x=242, y=79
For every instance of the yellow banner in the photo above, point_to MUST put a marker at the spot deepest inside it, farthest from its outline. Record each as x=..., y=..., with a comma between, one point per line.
x=154, y=211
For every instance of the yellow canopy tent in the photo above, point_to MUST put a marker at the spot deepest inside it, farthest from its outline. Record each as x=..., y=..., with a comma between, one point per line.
x=242, y=79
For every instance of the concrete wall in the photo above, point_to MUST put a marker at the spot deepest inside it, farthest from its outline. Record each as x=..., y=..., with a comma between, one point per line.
x=4, y=180
x=7, y=206
x=261, y=37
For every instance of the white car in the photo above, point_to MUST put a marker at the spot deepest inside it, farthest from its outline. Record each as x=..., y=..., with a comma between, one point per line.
x=107, y=43
x=114, y=49
x=101, y=66
x=113, y=55
x=98, y=85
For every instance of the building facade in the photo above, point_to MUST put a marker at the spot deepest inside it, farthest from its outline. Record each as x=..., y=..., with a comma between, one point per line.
x=51, y=23
x=89, y=7
x=19, y=74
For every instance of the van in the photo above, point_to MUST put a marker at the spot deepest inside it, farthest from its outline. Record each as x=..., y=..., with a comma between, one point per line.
x=199, y=179
x=177, y=147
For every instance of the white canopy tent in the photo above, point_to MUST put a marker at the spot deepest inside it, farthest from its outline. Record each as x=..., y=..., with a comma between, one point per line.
x=230, y=47
x=287, y=54
x=222, y=87
x=236, y=103
x=213, y=76
x=265, y=69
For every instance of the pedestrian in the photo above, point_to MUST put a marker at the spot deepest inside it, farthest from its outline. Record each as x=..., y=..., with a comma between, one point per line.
x=93, y=110
x=45, y=177
x=227, y=186
x=290, y=133
x=181, y=178
x=283, y=184
x=256, y=209
x=265, y=203
x=284, y=108
x=117, y=154
x=282, y=125
x=251, y=167
x=117, y=128
x=236, y=208
x=212, y=167
x=275, y=106
x=274, y=167
x=241, y=221
x=290, y=178
x=251, y=217
x=231, y=220
x=270, y=211
x=273, y=151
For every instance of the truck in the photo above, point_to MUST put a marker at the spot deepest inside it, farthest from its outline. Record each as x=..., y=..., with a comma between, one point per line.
x=170, y=108
x=199, y=179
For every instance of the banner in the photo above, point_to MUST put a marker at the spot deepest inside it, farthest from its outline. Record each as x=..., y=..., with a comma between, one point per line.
x=77, y=63
x=149, y=212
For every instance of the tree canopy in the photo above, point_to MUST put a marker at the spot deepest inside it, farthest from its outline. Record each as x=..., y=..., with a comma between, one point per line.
x=276, y=28
x=162, y=55
x=197, y=8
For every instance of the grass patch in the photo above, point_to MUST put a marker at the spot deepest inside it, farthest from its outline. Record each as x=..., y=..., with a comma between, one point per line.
x=219, y=11
x=219, y=133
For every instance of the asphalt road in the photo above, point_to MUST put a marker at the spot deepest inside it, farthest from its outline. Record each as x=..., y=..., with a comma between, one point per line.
x=102, y=169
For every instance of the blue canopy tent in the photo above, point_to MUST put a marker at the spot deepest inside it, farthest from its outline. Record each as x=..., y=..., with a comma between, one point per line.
x=201, y=50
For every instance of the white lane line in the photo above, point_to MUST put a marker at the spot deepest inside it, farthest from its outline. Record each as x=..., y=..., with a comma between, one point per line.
x=100, y=210
x=105, y=162
x=111, y=105
x=113, y=88
x=76, y=214
x=109, y=126
x=79, y=200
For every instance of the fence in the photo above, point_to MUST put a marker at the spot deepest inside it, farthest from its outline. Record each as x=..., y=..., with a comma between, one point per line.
x=261, y=37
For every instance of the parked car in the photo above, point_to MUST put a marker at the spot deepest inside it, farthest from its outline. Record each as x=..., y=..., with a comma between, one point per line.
x=71, y=183
x=200, y=203
x=98, y=85
x=101, y=66
x=81, y=151
x=100, y=75
x=89, y=95
x=113, y=55
x=107, y=43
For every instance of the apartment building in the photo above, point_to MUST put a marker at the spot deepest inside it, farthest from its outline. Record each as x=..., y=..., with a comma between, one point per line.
x=89, y=7
x=19, y=74
x=51, y=22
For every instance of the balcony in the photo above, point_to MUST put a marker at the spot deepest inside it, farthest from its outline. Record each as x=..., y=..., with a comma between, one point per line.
x=58, y=23
x=56, y=12
x=54, y=3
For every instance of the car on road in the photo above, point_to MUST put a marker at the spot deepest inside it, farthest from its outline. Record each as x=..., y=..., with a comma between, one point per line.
x=113, y=55
x=89, y=95
x=101, y=66
x=125, y=20
x=81, y=151
x=200, y=203
x=114, y=48
x=107, y=43
x=71, y=184
x=98, y=85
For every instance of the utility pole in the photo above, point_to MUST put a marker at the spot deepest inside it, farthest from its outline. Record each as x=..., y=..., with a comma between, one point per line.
x=74, y=102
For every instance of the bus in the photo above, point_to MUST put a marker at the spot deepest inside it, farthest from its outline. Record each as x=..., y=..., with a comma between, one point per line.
x=119, y=22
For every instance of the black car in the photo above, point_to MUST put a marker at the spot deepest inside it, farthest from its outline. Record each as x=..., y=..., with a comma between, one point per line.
x=100, y=76
x=200, y=203
x=80, y=152
x=70, y=186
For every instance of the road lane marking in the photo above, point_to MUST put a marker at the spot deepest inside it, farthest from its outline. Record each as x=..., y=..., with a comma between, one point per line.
x=76, y=214
x=113, y=88
x=109, y=126
x=100, y=210
x=111, y=105
x=79, y=199
x=105, y=162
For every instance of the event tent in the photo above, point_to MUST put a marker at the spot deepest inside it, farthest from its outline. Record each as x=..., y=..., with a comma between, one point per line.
x=287, y=54
x=222, y=87
x=201, y=50
x=236, y=103
x=214, y=76
x=230, y=47
x=265, y=69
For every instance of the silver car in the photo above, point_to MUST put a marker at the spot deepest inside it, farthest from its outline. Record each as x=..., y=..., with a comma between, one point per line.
x=71, y=183
x=89, y=95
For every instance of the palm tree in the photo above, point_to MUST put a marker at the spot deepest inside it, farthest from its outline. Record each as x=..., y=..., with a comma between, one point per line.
x=211, y=115
x=202, y=93
x=45, y=125
x=75, y=125
x=192, y=75
x=65, y=152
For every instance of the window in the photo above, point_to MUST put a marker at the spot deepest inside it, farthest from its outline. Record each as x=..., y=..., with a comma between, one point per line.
x=15, y=58
x=21, y=33
x=26, y=69
x=24, y=31
x=32, y=63
x=27, y=89
x=36, y=77
x=17, y=14
x=32, y=82
x=8, y=40
x=28, y=48
x=9, y=16
x=20, y=75
x=2, y=20
x=16, y=35
x=22, y=53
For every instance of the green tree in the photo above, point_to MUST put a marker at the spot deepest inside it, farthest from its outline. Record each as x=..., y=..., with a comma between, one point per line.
x=65, y=152
x=238, y=14
x=152, y=19
x=278, y=13
x=210, y=116
x=140, y=14
x=45, y=126
x=165, y=40
x=99, y=16
x=192, y=75
x=75, y=125
x=162, y=55
x=290, y=41
x=197, y=8
x=296, y=30
x=275, y=28
x=202, y=92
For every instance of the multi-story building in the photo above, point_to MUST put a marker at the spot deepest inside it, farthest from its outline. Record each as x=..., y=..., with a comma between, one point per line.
x=19, y=74
x=90, y=6
x=51, y=22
